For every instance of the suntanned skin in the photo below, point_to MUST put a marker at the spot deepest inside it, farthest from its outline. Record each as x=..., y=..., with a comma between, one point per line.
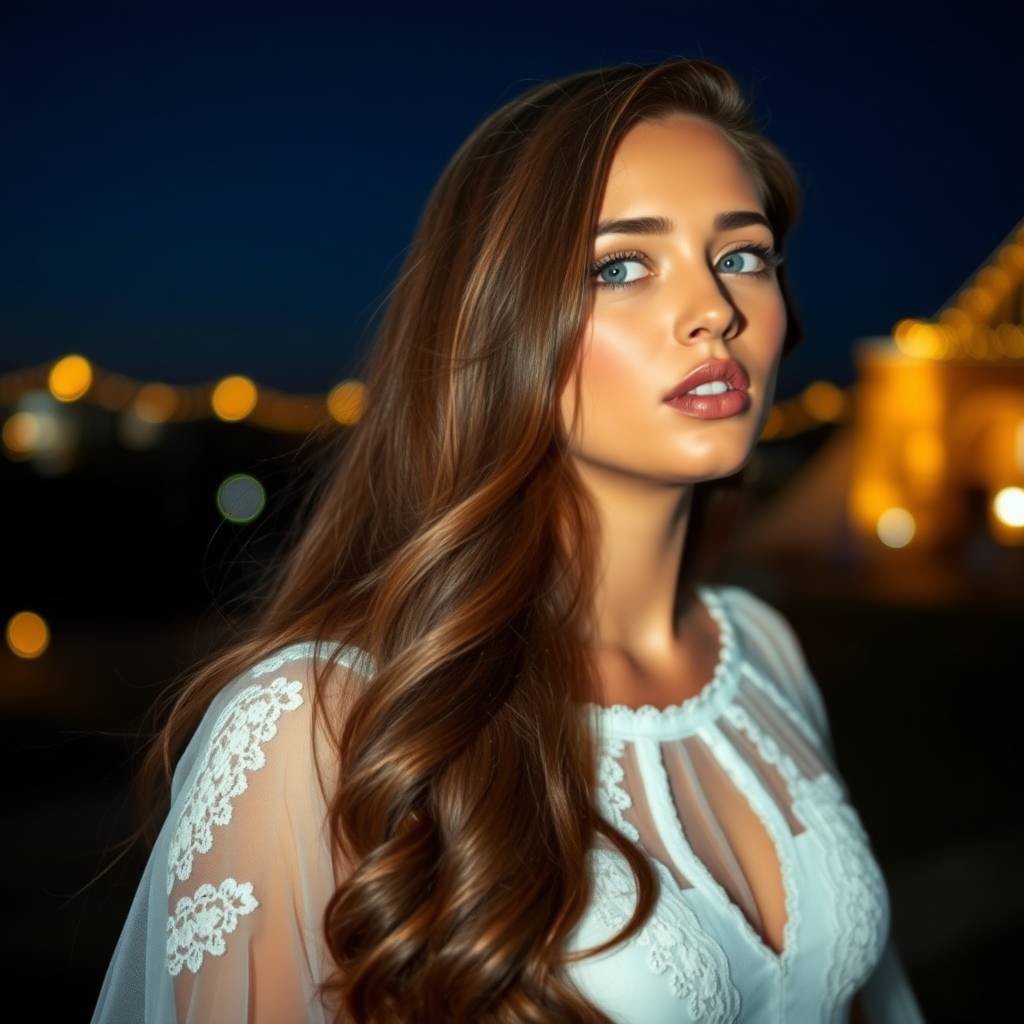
x=679, y=180
x=678, y=199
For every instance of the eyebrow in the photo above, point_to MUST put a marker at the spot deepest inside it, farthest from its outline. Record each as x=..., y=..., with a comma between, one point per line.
x=636, y=226
x=663, y=226
x=740, y=219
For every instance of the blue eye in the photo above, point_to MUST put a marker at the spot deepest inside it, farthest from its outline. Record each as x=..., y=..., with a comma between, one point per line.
x=742, y=261
x=621, y=271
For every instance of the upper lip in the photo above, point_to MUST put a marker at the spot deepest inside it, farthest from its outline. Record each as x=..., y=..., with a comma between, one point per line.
x=727, y=370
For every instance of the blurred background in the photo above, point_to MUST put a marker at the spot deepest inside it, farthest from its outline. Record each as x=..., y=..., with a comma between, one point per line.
x=201, y=208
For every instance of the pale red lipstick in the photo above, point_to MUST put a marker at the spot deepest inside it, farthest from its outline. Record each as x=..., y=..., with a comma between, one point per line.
x=714, y=391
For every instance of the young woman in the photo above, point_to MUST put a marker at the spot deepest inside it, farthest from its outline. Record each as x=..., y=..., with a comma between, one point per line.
x=489, y=756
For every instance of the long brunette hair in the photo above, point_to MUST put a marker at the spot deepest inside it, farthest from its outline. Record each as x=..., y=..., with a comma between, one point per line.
x=453, y=541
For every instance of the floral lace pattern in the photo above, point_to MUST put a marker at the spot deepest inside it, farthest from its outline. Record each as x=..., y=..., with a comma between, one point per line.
x=695, y=966
x=853, y=876
x=249, y=720
x=200, y=922
x=856, y=884
x=611, y=796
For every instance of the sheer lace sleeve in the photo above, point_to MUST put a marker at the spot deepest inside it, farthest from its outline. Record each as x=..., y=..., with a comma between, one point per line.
x=771, y=643
x=226, y=923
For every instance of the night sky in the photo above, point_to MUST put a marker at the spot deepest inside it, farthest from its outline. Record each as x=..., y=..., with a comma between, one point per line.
x=194, y=189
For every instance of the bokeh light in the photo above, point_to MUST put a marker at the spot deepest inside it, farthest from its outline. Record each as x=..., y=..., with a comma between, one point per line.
x=234, y=398
x=70, y=378
x=347, y=402
x=895, y=527
x=824, y=401
x=155, y=403
x=1008, y=506
x=22, y=433
x=240, y=498
x=27, y=634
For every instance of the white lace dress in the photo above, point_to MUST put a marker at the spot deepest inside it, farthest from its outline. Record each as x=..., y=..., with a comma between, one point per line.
x=226, y=923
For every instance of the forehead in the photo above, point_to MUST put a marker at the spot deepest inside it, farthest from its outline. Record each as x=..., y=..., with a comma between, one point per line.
x=677, y=161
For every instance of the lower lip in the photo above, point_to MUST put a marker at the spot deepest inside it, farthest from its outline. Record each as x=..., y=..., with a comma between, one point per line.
x=711, y=407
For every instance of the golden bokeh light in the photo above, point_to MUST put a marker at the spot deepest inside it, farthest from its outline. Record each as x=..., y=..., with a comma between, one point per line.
x=1008, y=506
x=895, y=527
x=22, y=434
x=1011, y=259
x=923, y=341
x=156, y=403
x=234, y=398
x=977, y=302
x=824, y=401
x=347, y=402
x=28, y=636
x=70, y=378
x=995, y=280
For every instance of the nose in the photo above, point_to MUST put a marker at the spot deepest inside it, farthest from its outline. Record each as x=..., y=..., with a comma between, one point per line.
x=704, y=309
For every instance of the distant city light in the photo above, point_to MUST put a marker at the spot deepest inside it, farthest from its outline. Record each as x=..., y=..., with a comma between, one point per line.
x=27, y=635
x=70, y=378
x=136, y=433
x=241, y=498
x=155, y=403
x=1008, y=506
x=234, y=398
x=22, y=433
x=824, y=401
x=895, y=527
x=347, y=402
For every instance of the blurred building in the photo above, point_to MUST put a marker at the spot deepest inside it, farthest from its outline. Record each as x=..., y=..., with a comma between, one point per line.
x=940, y=416
x=932, y=454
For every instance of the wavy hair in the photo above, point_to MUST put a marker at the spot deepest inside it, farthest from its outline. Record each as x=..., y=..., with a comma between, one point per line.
x=452, y=540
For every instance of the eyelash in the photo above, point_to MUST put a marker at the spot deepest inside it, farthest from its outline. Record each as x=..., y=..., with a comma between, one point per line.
x=771, y=259
x=618, y=257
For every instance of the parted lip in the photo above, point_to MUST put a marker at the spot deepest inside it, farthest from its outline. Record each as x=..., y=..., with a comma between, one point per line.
x=727, y=370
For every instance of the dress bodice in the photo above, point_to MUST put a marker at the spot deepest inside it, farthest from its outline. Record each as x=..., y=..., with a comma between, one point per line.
x=226, y=923
x=677, y=781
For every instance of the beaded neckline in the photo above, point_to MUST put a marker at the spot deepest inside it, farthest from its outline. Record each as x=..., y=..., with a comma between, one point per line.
x=622, y=722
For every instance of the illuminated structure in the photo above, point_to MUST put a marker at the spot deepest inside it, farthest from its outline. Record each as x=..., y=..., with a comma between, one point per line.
x=940, y=417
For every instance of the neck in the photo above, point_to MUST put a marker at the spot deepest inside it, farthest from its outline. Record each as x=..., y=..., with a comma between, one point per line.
x=643, y=527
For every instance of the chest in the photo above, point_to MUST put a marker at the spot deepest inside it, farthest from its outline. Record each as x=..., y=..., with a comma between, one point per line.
x=770, y=906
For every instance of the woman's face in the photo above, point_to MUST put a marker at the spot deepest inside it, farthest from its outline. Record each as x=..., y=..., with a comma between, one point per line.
x=681, y=350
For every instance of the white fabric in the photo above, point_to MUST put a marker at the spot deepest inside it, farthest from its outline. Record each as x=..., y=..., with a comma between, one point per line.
x=226, y=924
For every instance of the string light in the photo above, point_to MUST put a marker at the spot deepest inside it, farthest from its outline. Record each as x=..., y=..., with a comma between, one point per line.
x=234, y=398
x=70, y=378
x=148, y=405
x=965, y=329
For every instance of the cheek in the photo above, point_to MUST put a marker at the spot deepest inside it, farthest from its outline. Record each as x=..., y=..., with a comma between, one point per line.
x=610, y=363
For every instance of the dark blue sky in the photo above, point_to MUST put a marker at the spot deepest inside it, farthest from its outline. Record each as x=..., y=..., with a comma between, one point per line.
x=191, y=189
